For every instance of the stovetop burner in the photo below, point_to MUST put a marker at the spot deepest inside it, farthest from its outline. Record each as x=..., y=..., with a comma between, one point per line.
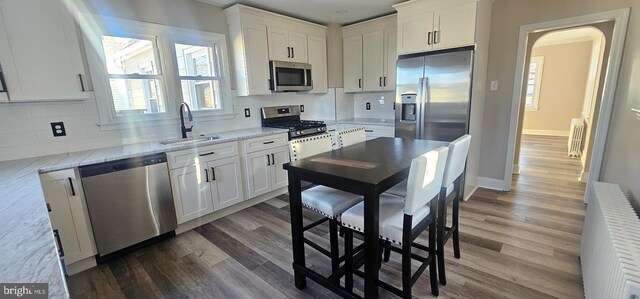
x=288, y=117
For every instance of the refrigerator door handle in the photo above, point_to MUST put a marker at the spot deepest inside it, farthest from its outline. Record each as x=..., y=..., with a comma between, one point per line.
x=424, y=103
x=419, y=105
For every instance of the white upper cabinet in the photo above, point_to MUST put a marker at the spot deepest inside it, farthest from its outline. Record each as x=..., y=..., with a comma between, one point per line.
x=435, y=24
x=317, y=52
x=352, y=60
x=287, y=46
x=370, y=55
x=39, y=52
x=259, y=36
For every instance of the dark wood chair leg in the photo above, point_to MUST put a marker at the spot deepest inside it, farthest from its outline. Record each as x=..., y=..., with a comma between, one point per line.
x=439, y=228
x=433, y=276
x=348, y=252
x=333, y=239
x=454, y=220
x=406, y=258
x=387, y=252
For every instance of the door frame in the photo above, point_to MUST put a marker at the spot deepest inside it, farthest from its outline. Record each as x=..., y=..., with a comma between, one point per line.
x=621, y=19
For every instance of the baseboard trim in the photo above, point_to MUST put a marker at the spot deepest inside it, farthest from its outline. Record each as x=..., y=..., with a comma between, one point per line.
x=516, y=168
x=491, y=183
x=546, y=132
x=81, y=265
x=466, y=198
x=187, y=226
x=584, y=177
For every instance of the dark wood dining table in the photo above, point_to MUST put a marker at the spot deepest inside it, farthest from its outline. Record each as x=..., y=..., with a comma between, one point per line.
x=368, y=169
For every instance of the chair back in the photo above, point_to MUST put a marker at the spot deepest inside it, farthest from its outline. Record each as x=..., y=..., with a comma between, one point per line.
x=425, y=179
x=310, y=146
x=350, y=137
x=456, y=160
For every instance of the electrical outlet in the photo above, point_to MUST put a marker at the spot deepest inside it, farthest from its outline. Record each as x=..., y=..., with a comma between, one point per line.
x=301, y=108
x=247, y=112
x=494, y=85
x=58, y=129
x=368, y=106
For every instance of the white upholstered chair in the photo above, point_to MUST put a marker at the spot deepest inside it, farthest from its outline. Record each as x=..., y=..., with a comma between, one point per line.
x=452, y=191
x=402, y=221
x=352, y=136
x=326, y=201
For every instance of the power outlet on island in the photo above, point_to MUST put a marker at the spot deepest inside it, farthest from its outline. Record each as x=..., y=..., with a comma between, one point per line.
x=301, y=108
x=368, y=106
x=247, y=112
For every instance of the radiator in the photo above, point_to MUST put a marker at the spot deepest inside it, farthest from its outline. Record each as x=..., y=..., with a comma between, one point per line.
x=610, y=247
x=576, y=132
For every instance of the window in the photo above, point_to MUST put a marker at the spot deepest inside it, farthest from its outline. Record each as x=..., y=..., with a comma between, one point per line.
x=199, y=76
x=143, y=72
x=134, y=75
x=534, y=81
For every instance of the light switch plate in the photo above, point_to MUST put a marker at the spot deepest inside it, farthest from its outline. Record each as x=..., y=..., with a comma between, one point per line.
x=494, y=85
x=301, y=108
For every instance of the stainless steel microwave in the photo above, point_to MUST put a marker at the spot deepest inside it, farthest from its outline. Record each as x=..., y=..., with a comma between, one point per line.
x=290, y=76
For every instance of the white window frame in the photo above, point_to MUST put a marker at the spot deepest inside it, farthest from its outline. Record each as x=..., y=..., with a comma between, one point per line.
x=535, y=104
x=165, y=37
x=204, y=39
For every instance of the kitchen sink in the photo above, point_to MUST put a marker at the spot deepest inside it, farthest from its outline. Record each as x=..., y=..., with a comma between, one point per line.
x=190, y=141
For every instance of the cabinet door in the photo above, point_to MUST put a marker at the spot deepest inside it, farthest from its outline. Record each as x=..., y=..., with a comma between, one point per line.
x=372, y=61
x=317, y=49
x=455, y=26
x=278, y=44
x=280, y=176
x=298, y=44
x=191, y=192
x=257, y=59
x=69, y=216
x=352, y=57
x=390, y=59
x=226, y=182
x=39, y=51
x=258, y=174
x=413, y=33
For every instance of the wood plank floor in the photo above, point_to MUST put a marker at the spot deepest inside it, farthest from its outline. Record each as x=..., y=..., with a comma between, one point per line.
x=520, y=244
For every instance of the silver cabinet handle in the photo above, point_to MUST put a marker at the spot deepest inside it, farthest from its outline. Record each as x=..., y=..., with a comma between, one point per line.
x=293, y=54
x=385, y=82
x=359, y=83
x=380, y=82
x=436, y=40
x=429, y=38
x=288, y=52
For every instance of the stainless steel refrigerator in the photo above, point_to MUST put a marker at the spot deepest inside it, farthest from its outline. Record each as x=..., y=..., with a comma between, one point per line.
x=433, y=95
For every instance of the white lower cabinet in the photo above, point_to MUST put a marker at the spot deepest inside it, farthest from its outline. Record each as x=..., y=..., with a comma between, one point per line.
x=68, y=214
x=205, y=179
x=203, y=188
x=265, y=172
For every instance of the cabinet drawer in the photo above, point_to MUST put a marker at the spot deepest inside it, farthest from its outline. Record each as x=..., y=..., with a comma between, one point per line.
x=263, y=143
x=201, y=154
x=379, y=131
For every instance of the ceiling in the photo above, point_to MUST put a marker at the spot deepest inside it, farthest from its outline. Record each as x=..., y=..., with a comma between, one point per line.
x=569, y=36
x=319, y=11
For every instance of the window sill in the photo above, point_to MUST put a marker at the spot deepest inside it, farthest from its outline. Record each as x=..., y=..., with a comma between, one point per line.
x=125, y=125
x=531, y=108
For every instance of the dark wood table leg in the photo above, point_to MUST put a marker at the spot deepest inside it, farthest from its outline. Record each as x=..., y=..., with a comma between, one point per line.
x=297, y=238
x=371, y=239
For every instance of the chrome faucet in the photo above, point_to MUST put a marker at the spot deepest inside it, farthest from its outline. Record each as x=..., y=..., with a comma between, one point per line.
x=184, y=129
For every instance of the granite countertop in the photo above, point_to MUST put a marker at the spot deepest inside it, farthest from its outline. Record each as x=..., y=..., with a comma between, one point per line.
x=26, y=238
x=364, y=121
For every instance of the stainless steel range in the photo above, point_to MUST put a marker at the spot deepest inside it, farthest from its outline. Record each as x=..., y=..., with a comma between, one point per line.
x=288, y=117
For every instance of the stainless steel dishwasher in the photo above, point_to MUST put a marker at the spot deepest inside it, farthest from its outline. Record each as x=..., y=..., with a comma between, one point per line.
x=129, y=201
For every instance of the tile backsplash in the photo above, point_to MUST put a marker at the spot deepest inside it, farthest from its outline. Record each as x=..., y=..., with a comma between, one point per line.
x=381, y=105
x=25, y=129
